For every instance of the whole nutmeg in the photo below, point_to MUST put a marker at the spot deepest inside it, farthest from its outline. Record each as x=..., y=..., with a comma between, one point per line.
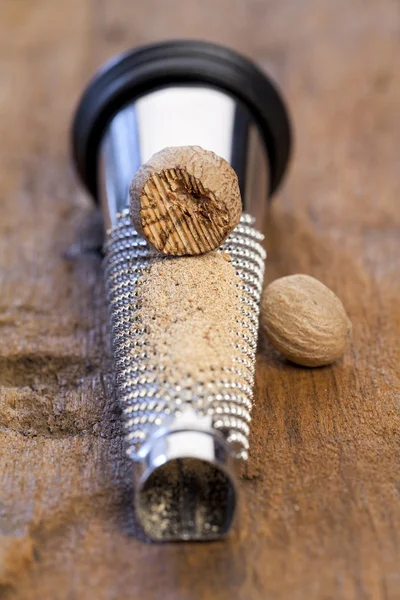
x=185, y=200
x=305, y=320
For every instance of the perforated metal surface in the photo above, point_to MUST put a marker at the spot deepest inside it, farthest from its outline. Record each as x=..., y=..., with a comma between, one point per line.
x=147, y=398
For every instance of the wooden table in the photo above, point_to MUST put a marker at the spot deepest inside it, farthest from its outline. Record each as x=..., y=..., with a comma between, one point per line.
x=320, y=514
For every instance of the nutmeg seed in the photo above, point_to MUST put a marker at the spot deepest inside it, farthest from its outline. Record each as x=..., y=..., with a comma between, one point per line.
x=185, y=200
x=304, y=320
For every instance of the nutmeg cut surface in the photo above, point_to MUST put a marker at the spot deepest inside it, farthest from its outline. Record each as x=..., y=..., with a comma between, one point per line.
x=304, y=320
x=185, y=200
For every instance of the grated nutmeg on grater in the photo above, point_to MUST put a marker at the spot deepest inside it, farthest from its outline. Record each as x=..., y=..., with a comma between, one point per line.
x=190, y=307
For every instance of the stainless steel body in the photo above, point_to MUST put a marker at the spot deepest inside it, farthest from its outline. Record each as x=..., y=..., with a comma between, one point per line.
x=184, y=441
x=184, y=352
x=182, y=116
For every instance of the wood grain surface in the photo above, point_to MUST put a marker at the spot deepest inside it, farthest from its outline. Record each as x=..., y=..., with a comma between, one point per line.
x=320, y=512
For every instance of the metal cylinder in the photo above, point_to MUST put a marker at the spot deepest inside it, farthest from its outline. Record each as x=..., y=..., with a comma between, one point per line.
x=184, y=438
x=182, y=116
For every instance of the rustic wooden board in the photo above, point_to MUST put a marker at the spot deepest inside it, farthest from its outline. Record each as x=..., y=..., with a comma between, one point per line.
x=320, y=517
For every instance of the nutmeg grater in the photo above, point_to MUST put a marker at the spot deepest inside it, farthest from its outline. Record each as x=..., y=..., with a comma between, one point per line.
x=184, y=438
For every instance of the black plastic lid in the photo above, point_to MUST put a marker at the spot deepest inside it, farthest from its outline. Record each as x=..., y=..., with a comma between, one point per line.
x=145, y=68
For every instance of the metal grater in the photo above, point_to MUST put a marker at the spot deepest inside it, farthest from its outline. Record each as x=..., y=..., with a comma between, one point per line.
x=183, y=436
